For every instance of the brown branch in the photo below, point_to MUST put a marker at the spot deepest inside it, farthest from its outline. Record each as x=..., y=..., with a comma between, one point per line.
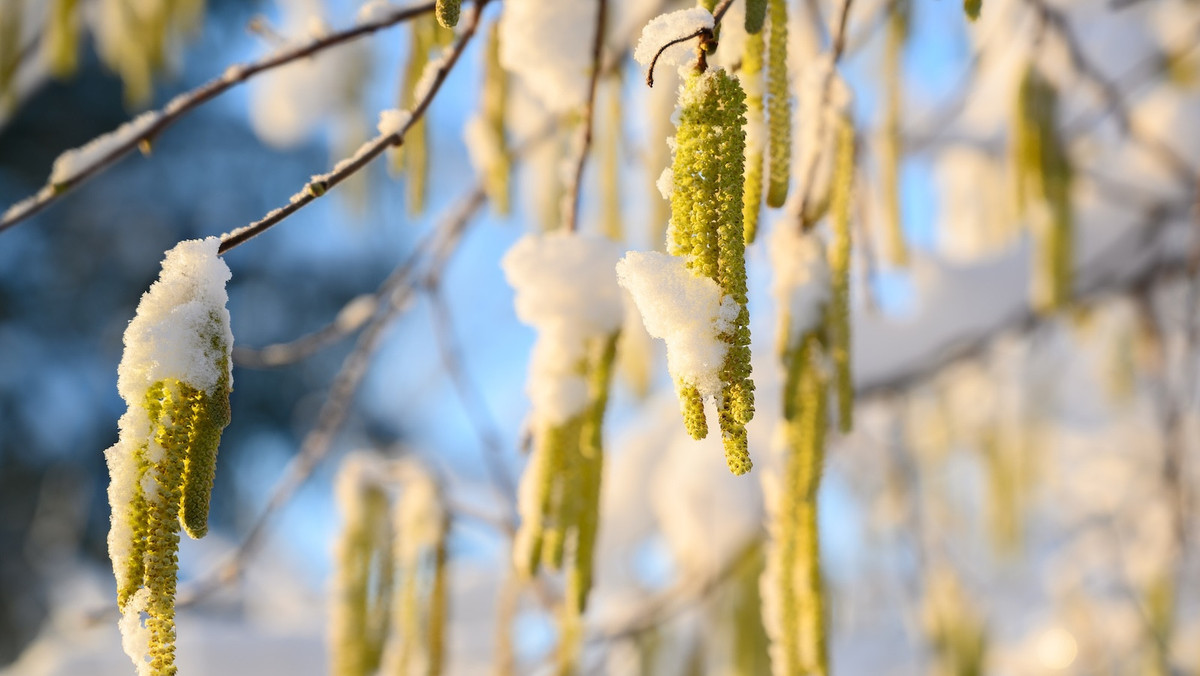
x=1099, y=280
x=1111, y=93
x=188, y=101
x=705, y=35
x=571, y=201
x=319, y=185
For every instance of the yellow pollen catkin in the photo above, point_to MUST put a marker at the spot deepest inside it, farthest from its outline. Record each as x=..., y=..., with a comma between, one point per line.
x=779, y=109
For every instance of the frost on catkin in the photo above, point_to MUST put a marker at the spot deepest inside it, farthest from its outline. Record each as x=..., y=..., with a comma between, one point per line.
x=175, y=378
x=695, y=298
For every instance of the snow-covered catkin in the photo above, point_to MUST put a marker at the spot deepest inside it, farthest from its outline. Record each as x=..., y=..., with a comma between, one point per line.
x=1044, y=177
x=447, y=12
x=707, y=229
x=779, y=115
x=838, y=317
x=890, y=147
x=175, y=379
x=752, y=82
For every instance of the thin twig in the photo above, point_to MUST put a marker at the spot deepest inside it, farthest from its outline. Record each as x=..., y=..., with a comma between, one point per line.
x=1096, y=282
x=571, y=200
x=705, y=35
x=317, y=443
x=1111, y=93
x=469, y=395
x=184, y=103
x=319, y=185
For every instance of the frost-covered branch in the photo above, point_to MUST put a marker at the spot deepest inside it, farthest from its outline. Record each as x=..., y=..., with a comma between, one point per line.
x=705, y=34
x=316, y=445
x=76, y=166
x=393, y=125
x=1110, y=91
x=1106, y=276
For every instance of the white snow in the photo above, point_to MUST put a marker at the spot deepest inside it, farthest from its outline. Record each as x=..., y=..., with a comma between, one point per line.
x=566, y=289
x=176, y=323
x=393, y=121
x=76, y=160
x=547, y=45
x=483, y=145
x=683, y=309
x=801, y=277
x=135, y=636
x=672, y=26
x=666, y=183
x=181, y=331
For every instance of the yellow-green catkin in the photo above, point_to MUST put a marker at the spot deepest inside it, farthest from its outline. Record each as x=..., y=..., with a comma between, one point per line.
x=494, y=104
x=743, y=612
x=801, y=594
x=561, y=489
x=838, y=316
x=360, y=617
x=170, y=414
x=779, y=109
x=610, y=161
x=10, y=47
x=752, y=80
x=972, y=8
x=707, y=228
x=210, y=415
x=447, y=12
x=891, y=151
x=1043, y=182
x=61, y=40
x=412, y=158
x=756, y=15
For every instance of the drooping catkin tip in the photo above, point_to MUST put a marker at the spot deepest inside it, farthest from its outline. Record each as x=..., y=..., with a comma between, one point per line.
x=447, y=12
x=692, y=405
x=972, y=8
x=737, y=451
x=756, y=14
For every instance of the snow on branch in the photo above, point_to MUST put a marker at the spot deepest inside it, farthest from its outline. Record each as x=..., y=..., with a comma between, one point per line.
x=76, y=166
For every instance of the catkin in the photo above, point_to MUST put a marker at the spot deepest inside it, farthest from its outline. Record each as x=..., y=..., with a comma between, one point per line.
x=838, y=316
x=801, y=597
x=752, y=81
x=756, y=14
x=1043, y=182
x=494, y=104
x=890, y=147
x=412, y=158
x=972, y=8
x=61, y=41
x=707, y=228
x=779, y=114
x=447, y=12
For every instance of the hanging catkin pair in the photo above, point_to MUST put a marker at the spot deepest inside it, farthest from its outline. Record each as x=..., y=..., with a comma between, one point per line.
x=390, y=586
x=1043, y=189
x=175, y=378
x=707, y=229
x=778, y=144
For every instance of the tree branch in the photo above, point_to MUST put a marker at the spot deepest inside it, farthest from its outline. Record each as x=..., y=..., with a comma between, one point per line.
x=320, y=184
x=705, y=34
x=188, y=101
